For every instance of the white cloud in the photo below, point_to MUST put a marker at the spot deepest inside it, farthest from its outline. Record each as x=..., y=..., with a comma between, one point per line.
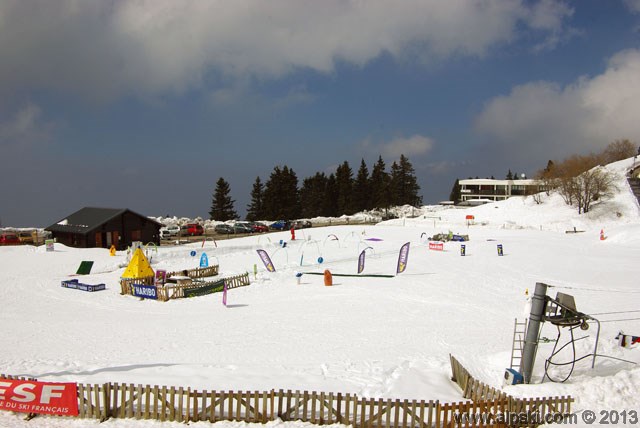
x=445, y=167
x=633, y=5
x=543, y=119
x=24, y=128
x=107, y=48
x=416, y=145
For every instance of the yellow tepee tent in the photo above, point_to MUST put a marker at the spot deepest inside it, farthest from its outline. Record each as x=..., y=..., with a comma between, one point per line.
x=139, y=266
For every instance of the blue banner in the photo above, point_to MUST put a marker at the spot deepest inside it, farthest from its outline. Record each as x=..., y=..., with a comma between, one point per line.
x=144, y=291
x=266, y=260
x=403, y=257
x=361, y=261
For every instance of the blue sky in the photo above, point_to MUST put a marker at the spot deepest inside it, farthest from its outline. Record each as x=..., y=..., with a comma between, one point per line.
x=145, y=104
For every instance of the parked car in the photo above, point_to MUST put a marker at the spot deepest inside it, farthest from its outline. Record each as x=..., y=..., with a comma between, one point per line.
x=9, y=239
x=242, y=228
x=301, y=224
x=169, y=231
x=26, y=237
x=259, y=227
x=280, y=225
x=223, y=228
x=191, y=229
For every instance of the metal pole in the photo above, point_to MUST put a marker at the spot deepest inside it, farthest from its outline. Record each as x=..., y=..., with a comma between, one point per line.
x=533, y=331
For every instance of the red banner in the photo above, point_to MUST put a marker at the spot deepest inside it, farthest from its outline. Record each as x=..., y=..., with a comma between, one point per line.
x=437, y=246
x=51, y=398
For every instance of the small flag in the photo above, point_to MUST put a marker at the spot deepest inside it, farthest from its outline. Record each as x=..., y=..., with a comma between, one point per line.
x=266, y=260
x=403, y=257
x=627, y=340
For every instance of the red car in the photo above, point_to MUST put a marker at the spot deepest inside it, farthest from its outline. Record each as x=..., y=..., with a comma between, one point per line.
x=259, y=227
x=9, y=239
x=191, y=229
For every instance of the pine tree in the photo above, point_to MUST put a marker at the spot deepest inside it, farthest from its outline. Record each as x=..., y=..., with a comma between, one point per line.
x=330, y=206
x=455, y=192
x=361, y=189
x=281, y=196
x=410, y=183
x=509, y=175
x=222, y=204
x=403, y=184
x=312, y=194
x=379, y=185
x=550, y=167
x=344, y=187
x=255, y=210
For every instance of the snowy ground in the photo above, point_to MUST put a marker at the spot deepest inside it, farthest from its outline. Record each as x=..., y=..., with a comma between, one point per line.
x=376, y=337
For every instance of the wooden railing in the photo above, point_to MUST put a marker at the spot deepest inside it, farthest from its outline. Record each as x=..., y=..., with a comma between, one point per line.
x=481, y=394
x=179, y=291
x=196, y=273
x=179, y=404
x=170, y=291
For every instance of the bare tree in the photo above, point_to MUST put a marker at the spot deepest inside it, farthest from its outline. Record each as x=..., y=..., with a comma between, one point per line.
x=591, y=186
x=618, y=150
x=581, y=181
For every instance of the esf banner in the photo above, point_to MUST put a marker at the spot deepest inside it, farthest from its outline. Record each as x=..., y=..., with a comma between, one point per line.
x=436, y=246
x=266, y=260
x=39, y=397
x=145, y=291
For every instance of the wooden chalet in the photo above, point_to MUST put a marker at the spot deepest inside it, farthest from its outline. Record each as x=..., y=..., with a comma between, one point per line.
x=102, y=227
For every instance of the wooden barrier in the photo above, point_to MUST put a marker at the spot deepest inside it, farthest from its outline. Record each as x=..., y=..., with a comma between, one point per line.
x=170, y=291
x=196, y=273
x=527, y=409
x=179, y=404
x=179, y=291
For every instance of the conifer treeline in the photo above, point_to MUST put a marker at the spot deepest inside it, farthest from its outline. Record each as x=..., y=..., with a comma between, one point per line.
x=332, y=195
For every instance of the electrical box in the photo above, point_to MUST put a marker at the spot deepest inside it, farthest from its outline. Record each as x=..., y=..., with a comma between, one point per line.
x=512, y=377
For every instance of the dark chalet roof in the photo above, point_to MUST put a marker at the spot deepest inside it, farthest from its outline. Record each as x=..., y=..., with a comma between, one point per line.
x=89, y=218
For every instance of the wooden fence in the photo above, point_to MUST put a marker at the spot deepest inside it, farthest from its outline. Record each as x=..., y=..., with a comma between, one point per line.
x=162, y=403
x=535, y=409
x=196, y=273
x=196, y=285
x=199, y=288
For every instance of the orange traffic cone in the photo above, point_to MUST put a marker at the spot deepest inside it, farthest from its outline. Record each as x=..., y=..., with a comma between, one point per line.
x=328, y=279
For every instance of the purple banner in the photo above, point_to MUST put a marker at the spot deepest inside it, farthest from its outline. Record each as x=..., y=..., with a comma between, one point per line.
x=224, y=294
x=266, y=260
x=403, y=257
x=361, y=261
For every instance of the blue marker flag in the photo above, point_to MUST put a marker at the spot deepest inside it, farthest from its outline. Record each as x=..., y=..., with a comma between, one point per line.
x=403, y=257
x=204, y=260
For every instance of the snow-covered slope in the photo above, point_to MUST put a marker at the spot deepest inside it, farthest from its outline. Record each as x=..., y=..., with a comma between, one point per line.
x=377, y=337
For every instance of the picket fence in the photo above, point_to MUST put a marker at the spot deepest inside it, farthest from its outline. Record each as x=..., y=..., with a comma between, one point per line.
x=198, y=280
x=162, y=403
x=482, y=393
